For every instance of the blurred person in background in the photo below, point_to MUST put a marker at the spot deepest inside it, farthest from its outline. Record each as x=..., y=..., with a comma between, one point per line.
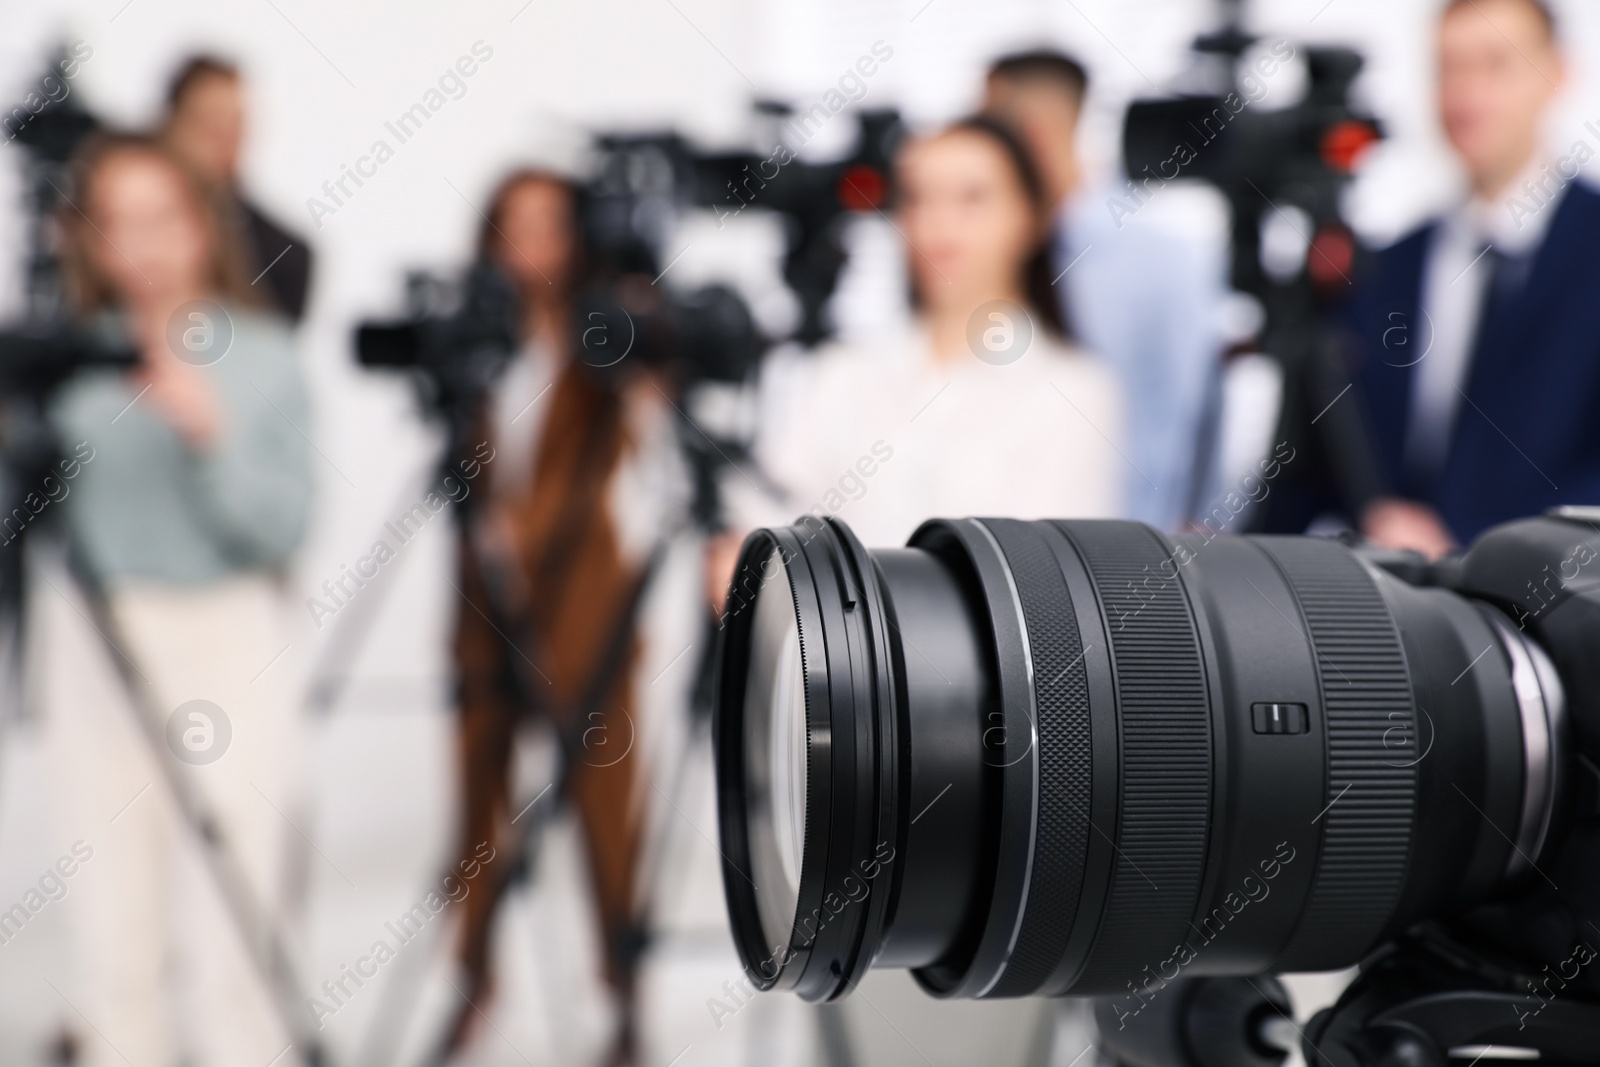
x=1480, y=332
x=1139, y=300
x=196, y=492
x=984, y=407
x=580, y=483
x=205, y=125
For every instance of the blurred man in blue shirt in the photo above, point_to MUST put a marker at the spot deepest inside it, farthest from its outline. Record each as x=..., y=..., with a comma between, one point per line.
x=1138, y=298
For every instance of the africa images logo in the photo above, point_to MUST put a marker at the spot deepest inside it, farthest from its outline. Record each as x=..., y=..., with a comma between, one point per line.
x=199, y=732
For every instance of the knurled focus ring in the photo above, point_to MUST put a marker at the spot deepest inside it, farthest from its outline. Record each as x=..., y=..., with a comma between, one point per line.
x=1061, y=697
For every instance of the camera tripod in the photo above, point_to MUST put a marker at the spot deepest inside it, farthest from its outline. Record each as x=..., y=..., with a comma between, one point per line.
x=1422, y=1001
x=523, y=686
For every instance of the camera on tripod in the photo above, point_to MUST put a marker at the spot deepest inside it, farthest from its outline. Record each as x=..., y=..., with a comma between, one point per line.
x=1297, y=158
x=459, y=333
x=1283, y=167
x=47, y=348
x=701, y=343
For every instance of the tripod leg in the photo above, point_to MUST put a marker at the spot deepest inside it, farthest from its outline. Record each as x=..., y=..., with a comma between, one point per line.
x=833, y=1034
x=353, y=626
x=264, y=942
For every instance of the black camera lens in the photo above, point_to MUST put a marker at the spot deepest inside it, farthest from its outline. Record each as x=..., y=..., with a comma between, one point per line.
x=1039, y=758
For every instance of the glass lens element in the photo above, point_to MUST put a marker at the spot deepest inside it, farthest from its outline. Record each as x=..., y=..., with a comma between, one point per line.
x=775, y=747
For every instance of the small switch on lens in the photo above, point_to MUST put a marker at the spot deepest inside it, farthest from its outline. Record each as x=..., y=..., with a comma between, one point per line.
x=1279, y=718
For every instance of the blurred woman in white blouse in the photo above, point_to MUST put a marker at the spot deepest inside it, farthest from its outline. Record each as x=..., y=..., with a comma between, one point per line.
x=982, y=406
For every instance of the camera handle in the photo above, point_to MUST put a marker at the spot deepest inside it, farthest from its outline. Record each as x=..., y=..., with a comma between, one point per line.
x=1413, y=1006
x=1409, y=1007
x=1200, y=1022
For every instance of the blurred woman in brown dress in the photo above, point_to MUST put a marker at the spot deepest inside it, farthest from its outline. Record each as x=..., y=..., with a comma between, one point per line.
x=549, y=577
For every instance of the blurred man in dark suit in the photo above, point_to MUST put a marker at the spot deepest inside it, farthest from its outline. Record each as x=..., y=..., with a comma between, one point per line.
x=205, y=127
x=1481, y=330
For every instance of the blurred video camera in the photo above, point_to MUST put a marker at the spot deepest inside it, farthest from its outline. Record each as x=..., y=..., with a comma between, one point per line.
x=457, y=332
x=1283, y=170
x=646, y=181
x=46, y=348
x=457, y=335
x=1290, y=163
x=703, y=342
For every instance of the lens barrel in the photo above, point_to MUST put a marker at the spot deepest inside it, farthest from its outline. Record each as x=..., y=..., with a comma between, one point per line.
x=1083, y=757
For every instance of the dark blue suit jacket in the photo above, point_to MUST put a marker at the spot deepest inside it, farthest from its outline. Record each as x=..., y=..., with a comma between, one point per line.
x=1527, y=432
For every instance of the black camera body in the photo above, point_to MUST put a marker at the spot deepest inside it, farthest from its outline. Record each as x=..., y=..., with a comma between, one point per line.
x=457, y=337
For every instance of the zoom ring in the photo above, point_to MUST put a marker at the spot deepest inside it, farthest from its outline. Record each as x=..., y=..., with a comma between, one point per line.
x=1166, y=759
x=1371, y=790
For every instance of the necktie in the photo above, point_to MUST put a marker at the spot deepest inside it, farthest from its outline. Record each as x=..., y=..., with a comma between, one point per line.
x=1508, y=277
x=1428, y=456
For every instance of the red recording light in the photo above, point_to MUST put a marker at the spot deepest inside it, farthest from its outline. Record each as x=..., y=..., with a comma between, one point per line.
x=862, y=188
x=1344, y=143
x=1332, y=254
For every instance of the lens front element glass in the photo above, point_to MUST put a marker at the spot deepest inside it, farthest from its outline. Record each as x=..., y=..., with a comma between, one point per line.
x=775, y=753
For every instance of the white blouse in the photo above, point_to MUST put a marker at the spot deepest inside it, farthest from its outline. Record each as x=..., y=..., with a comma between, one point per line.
x=888, y=437
x=648, y=494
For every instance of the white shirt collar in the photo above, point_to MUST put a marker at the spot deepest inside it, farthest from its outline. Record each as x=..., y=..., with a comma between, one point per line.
x=1516, y=220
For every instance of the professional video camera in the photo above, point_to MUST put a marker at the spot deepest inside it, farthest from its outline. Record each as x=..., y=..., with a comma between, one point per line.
x=1086, y=758
x=47, y=348
x=706, y=341
x=645, y=180
x=1283, y=167
x=457, y=336
x=461, y=335
x=34, y=362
